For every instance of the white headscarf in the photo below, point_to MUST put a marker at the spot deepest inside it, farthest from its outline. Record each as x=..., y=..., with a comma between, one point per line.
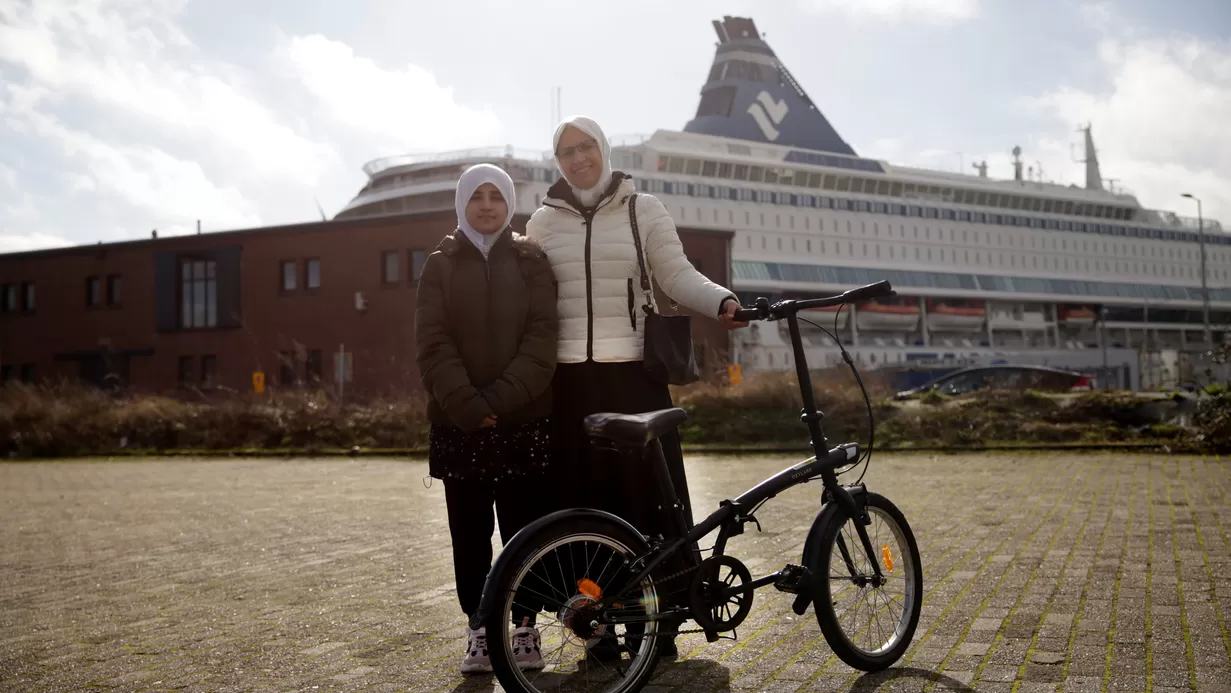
x=470, y=181
x=587, y=125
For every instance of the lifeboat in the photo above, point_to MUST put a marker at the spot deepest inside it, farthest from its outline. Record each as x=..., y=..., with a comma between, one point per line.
x=945, y=317
x=825, y=317
x=1076, y=315
x=897, y=317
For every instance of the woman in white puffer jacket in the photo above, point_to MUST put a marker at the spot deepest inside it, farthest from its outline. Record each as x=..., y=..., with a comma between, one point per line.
x=583, y=226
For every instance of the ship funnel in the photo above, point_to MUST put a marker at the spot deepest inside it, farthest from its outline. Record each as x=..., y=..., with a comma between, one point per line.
x=750, y=95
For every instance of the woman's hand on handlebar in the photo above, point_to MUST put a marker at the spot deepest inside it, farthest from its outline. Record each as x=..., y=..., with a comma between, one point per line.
x=727, y=317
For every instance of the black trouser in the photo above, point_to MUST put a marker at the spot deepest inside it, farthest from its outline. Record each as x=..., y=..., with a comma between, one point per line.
x=602, y=479
x=470, y=504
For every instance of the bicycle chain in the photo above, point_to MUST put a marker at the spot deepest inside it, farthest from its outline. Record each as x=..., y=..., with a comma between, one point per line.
x=669, y=578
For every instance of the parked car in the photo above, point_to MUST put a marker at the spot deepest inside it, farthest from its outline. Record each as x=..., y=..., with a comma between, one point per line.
x=1041, y=378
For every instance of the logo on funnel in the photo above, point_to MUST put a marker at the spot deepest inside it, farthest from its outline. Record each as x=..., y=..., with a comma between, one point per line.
x=764, y=110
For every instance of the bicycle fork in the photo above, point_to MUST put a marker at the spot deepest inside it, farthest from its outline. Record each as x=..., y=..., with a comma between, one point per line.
x=860, y=519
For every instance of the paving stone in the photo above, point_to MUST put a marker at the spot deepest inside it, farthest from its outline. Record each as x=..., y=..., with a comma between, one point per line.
x=221, y=575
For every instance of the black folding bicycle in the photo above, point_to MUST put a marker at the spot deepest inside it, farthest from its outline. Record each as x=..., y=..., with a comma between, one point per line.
x=604, y=587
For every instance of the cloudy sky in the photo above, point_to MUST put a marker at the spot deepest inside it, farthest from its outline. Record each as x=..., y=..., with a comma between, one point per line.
x=121, y=116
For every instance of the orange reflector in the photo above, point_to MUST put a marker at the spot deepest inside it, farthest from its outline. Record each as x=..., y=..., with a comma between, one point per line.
x=888, y=556
x=589, y=588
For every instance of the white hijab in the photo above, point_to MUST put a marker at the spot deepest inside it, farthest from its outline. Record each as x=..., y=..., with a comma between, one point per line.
x=587, y=125
x=470, y=181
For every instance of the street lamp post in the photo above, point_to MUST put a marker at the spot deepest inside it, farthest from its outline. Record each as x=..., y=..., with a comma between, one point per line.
x=1205, y=291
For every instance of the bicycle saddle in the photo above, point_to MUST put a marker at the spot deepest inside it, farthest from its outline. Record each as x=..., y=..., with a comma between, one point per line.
x=634, y=430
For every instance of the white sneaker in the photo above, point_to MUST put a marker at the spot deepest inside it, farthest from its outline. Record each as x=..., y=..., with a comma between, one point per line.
x=476, y=660
x=527, y=650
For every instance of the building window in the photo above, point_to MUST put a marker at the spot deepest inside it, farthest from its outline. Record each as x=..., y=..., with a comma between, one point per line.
x=8, y=300
x=290, y=277
x=286, y=369
x=198, y=293
x=93, y=291
x=27, y=297
x=391, y=266
x=209, y=369
x=313, y=367
x=417, y=258
x=114, y=287
x=312, y=273
x=185, y=370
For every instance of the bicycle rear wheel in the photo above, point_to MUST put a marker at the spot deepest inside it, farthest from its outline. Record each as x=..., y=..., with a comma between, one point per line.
x=554, y=582
x=847, y=592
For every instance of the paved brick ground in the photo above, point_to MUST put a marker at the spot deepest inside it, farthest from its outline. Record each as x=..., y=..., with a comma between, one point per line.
x=1043, y=573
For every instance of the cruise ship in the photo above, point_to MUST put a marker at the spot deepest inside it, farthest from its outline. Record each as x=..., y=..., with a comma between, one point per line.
x=988, y=270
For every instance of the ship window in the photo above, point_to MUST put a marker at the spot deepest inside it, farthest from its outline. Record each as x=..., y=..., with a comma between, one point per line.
x=830, y=182
x=844, y=183
x=709, y=168
x=814, y=180
x=717, y=102
x=895, y=190
x=693, y=167
x=741, y=172
x=756, y=174
x=724, y=170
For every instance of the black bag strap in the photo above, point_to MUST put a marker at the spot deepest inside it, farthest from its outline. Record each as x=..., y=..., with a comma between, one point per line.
x=645, y=276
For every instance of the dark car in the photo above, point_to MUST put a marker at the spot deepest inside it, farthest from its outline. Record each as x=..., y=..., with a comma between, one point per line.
x=967, y=380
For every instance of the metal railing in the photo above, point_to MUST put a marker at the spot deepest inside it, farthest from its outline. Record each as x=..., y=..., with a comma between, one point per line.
x=377, y=166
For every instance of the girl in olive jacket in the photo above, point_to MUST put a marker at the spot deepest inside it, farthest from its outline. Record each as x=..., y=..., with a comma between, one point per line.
x=485, y=323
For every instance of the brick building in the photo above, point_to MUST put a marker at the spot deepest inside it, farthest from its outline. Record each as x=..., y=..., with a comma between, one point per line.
x=212, y=309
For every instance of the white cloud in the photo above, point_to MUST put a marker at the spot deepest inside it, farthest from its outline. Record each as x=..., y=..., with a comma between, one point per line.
x=939, y=11
x=405, y=107
x=134, y=61
x=21, y=242
x=1159, y=125
x=143, y=129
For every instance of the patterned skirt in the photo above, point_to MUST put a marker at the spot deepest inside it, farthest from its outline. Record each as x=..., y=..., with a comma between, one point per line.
x=490, y=454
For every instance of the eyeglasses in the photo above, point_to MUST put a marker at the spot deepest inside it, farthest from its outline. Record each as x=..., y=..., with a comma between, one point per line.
x=585, y=148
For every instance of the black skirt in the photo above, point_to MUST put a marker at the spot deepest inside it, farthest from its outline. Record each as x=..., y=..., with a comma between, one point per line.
x=490, y=454
x=599, y=478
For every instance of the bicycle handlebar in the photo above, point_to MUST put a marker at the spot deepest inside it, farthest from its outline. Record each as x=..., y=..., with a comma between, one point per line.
x=765, y=311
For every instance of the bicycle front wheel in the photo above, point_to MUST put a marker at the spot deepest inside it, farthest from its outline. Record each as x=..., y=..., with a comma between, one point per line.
x=555, y=584
x=868, y=621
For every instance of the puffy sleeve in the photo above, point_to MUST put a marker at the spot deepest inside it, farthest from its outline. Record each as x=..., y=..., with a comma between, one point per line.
x=441, y=368
x=668, y=264
x=529, y=374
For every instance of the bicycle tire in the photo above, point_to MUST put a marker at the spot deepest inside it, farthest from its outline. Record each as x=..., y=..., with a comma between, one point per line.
x=823, y=601
x=507, y=673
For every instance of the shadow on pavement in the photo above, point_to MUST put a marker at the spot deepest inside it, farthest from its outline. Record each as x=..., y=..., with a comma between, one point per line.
x=873, y=681
x=699, y=674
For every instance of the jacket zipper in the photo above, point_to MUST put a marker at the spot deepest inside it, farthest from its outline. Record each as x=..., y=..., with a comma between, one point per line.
x=632, y=312
x=589, y=221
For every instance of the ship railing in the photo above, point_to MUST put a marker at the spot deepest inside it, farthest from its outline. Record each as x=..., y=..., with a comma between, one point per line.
x=1180, y=221
x=377, y=166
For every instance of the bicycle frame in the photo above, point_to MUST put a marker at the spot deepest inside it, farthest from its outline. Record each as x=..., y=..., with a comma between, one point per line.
x=730, y=514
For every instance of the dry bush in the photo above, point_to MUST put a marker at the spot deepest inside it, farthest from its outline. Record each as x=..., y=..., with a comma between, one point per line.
x=53, y=421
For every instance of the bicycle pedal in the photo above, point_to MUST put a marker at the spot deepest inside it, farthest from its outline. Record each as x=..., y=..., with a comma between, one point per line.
x=792, y=579
x=802, y=600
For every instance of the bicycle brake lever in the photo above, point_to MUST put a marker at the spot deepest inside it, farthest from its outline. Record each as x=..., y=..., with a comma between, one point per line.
x=753, y=519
